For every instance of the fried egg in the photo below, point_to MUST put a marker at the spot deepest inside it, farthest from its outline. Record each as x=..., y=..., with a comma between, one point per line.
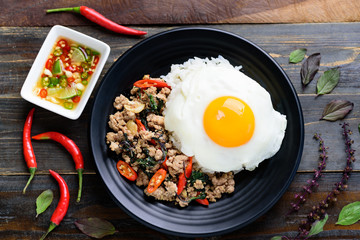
x=220, y=116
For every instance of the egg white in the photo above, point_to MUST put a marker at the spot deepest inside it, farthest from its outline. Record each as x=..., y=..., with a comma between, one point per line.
x=195, y=84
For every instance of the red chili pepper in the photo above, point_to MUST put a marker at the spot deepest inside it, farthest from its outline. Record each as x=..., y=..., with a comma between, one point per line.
x=163, y=164
x=29, y=154
x=181, y=183
x=72, y=148
x=141, y=127
x=188, y=168
x=96, y=17
x=62, y=206
x=43, y=93
x=146, y=83
x=126, y=170
x=156, y=180
x=203, y=201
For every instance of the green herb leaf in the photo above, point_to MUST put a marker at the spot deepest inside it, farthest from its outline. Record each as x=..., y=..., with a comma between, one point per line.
x=336, y=109
x=359, y=128
x=276, y=238
x=43, y=201
x=328, y=81
x=350, y=214
x=95, y=227
x=297, y=55
x=318, y=226
x=309, y=68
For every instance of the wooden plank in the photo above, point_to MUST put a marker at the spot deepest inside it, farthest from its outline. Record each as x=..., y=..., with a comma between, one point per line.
x=337, y=43
x=14, y=111
x=17, y=211
x=32, y=13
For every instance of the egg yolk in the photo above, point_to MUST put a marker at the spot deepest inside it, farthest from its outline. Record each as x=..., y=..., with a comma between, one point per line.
x=229, y=121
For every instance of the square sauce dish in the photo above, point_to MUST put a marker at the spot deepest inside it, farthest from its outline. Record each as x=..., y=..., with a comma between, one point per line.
x=65, y=72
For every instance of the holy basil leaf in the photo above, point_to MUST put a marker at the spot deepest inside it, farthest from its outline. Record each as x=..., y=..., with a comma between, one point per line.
x=297, y=55
x=336, y=109
x=309, y=68
x=95, y=227
x=318, y=226
x=328, y=81
x=276, y=238
x=350, y=214
x=43, y=201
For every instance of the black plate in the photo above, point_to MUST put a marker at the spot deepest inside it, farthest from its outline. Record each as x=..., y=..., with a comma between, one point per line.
x=256, y=192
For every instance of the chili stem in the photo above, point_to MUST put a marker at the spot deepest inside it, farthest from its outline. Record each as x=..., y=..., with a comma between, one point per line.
x=80, y=173
x=51, y=227
x=32, y=174
x=68, y=9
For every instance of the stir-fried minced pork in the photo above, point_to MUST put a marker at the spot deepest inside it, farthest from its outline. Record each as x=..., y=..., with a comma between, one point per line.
x=139, y=138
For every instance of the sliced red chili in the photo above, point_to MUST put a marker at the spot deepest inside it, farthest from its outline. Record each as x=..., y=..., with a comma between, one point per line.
x=188, y=168
x=76, y=99
x=156, y=180
x=146, y=83
x=125, y=170
x=43, y=93
x=141, y=127
x=49, y=63
x=96, y=60
x=181, y=183
x=203, y=201
x=163, y=164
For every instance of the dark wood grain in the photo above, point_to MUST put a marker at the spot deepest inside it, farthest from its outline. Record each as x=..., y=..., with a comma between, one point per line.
x=18, y=220
x=14, y=13
x=339, y=46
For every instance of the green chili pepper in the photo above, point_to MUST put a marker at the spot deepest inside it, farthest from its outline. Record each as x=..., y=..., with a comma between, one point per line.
x=78, y=92
x=45, y=81
x=68, y=105
x=85, y=65
x=63, y=82
x=84, y=75
x=84, y=82
x=54, y=81
x=58, y=52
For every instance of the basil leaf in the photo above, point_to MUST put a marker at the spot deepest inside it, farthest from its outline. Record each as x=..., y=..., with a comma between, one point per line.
x=276, y=238
x=328, y=81
x=43, y=201
x=318, y=226
x=350, y=214
x=336, y=109
x=95, y=227
x=309, y=68
x=297, y=55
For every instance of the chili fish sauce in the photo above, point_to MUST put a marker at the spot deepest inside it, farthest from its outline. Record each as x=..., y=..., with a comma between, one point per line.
x=67, y=72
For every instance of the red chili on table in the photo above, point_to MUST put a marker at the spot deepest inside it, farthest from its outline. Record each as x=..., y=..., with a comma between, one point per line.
x=62, y=206
x=29, y=154
x=72, y=148
x=96, y=17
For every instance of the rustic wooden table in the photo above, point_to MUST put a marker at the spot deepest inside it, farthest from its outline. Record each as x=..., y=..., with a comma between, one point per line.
x=24, y=26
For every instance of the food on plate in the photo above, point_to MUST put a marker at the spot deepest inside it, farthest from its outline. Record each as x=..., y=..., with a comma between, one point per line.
x=66, y=73
x=183, y=136
x=221, y=116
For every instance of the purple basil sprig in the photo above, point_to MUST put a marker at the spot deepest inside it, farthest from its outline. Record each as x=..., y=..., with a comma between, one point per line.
x=318, y=212
x=300, y=198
